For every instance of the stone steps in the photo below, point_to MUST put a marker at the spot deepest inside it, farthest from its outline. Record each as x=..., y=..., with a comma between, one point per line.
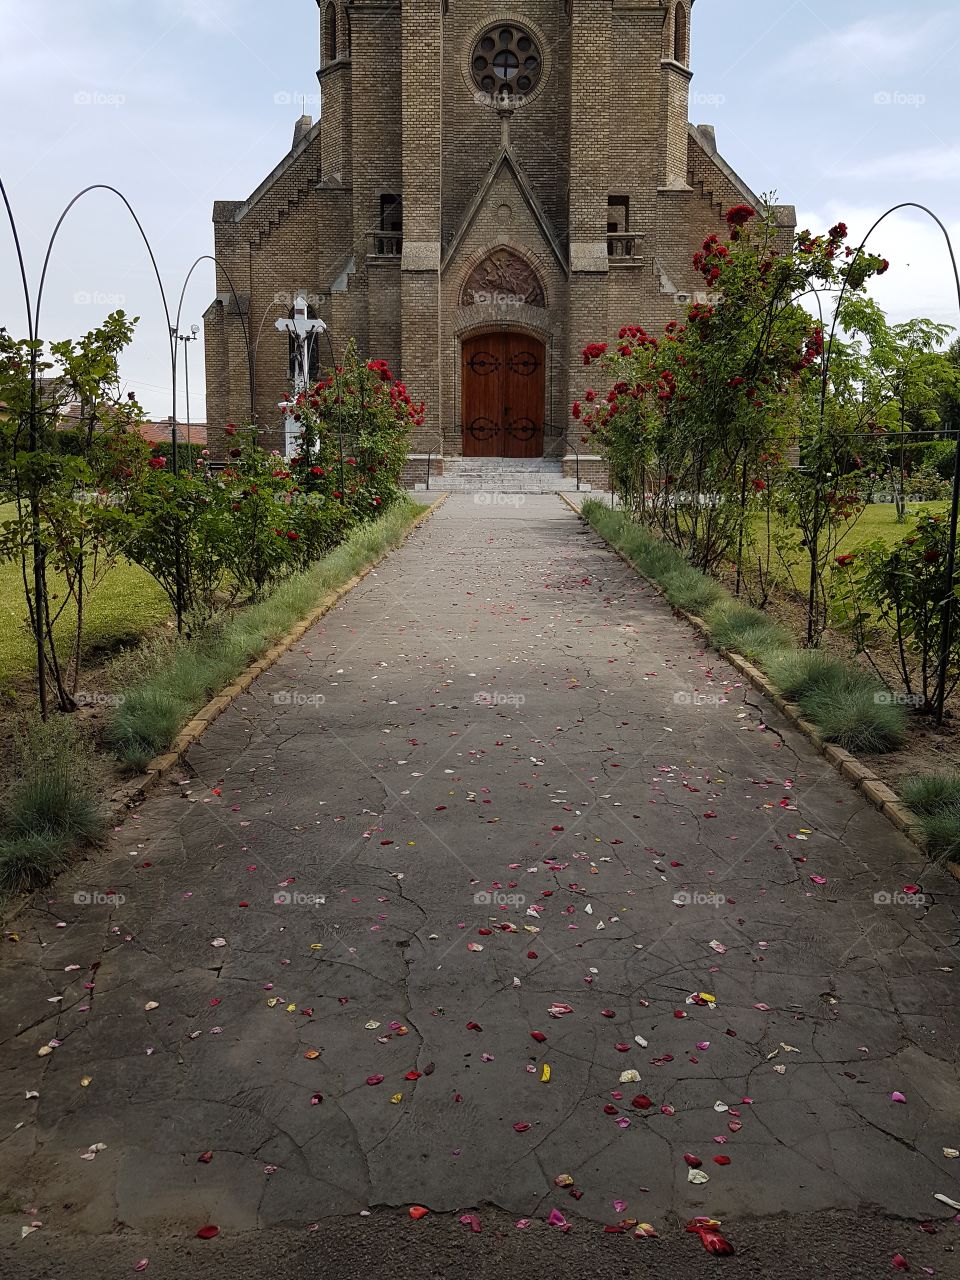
x=503, y=475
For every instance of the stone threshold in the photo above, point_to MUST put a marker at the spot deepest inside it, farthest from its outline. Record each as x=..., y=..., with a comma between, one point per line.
x=861, y=776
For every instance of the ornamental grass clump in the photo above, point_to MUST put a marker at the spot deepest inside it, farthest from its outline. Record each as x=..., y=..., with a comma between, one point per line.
x=50, y=808
x=935, y=798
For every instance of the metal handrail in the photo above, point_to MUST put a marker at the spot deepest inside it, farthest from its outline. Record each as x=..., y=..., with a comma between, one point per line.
x=552, y=432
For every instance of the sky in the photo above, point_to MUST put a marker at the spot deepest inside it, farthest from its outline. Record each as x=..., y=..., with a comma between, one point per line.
x=842, y=107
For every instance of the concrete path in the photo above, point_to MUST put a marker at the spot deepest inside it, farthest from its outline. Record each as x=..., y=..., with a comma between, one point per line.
x=498, y=817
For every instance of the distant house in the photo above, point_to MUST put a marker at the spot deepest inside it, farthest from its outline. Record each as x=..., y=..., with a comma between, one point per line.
x=161, y=432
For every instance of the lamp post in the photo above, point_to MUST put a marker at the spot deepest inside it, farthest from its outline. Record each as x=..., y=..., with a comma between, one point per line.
x=187, y=338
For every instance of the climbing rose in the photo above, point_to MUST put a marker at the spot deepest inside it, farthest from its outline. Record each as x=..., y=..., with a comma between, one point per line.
x=740, y=215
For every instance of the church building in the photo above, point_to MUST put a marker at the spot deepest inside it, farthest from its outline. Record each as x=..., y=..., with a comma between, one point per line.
x=489, y=188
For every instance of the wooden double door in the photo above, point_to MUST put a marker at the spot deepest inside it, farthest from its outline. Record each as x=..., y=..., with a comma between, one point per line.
x=504, y=385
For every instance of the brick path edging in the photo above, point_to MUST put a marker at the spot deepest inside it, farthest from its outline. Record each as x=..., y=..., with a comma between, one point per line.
x=847, y=765
x=130, y=795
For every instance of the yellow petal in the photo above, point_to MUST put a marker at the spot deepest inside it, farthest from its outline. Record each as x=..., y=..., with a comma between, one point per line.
x=312, y=1053
x=291, y=1008
x=396, y=1097
x=316, y=946
x=85, y=1080
x=545, y=1073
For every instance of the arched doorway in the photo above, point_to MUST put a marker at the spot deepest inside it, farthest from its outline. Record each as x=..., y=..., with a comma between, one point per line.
x=504, y=394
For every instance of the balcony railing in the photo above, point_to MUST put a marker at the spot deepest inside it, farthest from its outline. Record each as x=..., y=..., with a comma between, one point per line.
x=625, y=248
x=384, y=244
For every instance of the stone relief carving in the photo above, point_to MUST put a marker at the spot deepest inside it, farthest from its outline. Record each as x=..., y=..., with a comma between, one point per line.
x=503, y=277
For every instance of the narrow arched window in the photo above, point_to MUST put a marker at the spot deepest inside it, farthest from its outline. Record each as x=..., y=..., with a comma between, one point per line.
x=330, y=33
x=680, y=34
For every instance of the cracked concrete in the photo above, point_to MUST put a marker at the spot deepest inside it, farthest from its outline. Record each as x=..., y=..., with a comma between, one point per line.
x=502, y=708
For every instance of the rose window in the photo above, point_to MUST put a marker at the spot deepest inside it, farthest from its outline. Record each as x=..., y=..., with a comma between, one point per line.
x=506, y=61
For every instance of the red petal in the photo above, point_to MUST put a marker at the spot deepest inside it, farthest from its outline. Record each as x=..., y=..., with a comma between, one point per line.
x=208, y=1232
x=610, y=1109
x=642, y=1101
x=418, y=1211
x=721, y=1159
x=693, y=1161
x=538, y=1036
x=374, y=1079
x=521, y=1126
x=607, y=1013
x=900, y=1262
x=205, y=1158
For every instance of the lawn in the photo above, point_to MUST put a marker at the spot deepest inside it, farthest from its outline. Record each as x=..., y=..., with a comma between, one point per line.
x=126, y=604
x=878, y=521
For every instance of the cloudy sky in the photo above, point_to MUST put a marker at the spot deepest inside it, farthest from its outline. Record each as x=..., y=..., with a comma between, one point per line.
x=843, y=109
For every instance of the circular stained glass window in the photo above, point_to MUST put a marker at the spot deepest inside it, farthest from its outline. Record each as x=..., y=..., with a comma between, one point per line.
x=506, y=62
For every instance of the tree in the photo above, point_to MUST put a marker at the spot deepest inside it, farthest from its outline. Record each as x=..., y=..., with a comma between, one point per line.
x=68, y=456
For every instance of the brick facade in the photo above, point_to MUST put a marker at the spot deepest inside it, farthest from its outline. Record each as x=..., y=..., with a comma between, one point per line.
x=595, y=180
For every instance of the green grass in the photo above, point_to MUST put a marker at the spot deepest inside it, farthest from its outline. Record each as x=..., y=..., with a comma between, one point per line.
x=800, y=671
x=743, y=630
x=935, y=798
x=878, y=521
x=855, y=711
x=167, y=684
x=932, y=792
x=847, y=705
x=50, y=807
x=123, y=607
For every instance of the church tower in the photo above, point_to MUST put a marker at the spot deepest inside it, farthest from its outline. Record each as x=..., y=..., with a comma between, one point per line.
x=488, y=189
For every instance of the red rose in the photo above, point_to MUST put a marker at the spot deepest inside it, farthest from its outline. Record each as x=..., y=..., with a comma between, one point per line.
x=157, y=463
x=230, y=429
